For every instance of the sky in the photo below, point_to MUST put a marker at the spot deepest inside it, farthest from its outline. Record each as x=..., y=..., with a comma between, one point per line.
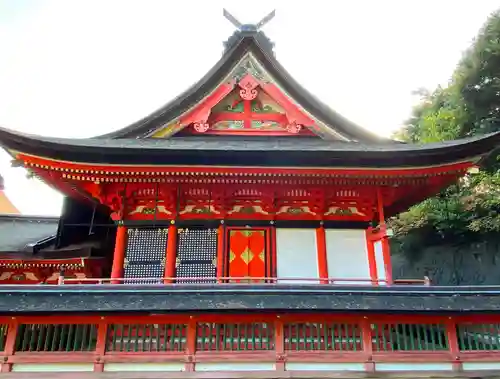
x=81, y=68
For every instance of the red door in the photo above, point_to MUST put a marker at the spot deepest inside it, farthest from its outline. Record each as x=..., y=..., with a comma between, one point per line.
x=247, y=253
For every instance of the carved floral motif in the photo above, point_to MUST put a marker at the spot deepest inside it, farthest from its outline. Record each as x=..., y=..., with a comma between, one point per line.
x=248, y=87
x=199, y=209
x=201, y=127
x=149, y=210
x=247, y=209
x=344, y=211
x=295, y=210
x=293, y=127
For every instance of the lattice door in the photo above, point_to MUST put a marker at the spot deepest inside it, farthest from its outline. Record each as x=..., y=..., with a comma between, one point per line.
x=196, y=255
x=247, y=253
x=146, y=254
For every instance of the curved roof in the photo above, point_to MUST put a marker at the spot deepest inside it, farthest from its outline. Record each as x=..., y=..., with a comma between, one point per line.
x=129, y=147
x=217, y=150
x=243, y=43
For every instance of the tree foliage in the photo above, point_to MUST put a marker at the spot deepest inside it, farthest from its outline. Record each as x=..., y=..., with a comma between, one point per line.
x=469, y=105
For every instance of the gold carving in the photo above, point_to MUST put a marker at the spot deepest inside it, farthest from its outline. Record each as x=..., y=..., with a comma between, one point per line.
x=343, y=211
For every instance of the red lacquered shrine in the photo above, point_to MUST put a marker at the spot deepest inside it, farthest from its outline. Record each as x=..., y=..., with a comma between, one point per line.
x=237, y=231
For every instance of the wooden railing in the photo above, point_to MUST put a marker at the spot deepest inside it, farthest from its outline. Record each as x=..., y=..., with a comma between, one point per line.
x=279, y=339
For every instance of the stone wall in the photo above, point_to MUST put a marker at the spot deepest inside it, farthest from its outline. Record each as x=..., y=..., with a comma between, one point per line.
x=449, y=264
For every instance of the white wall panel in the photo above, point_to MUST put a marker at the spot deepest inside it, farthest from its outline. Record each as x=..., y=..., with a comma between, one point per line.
x=315, y=366
x=52, y=367
x=481, y=366
x=297, y=254
x=414, y=366
x=158, y=367
x=347, y=255
x=379, y=261
x=235, y=366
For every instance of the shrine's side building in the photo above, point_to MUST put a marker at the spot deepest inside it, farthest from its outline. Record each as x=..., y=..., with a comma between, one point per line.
x=240, y=229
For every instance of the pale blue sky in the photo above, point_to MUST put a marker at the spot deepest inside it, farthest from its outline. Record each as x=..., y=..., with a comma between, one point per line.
x=79, y=68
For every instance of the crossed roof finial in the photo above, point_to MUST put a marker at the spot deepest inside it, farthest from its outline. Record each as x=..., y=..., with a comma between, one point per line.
x=246, y=27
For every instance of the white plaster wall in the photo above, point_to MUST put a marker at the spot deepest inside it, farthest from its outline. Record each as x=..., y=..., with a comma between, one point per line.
x=313, y=366
x=53, y=367
x=150, y=367
x=347, y=255
x=481, y=366
x=297, y=254
x=431, y=366
x=235, y=366
x=379, y=261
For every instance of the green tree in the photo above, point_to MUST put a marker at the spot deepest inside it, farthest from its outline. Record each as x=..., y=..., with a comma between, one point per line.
x=468, y=106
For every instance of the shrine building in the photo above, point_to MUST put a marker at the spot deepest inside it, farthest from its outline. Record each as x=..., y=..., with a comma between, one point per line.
x=240, y=230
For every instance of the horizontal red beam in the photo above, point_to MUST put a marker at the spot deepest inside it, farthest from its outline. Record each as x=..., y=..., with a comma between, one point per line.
x=173, y=318
x=52, y=357
x=222, y=318
x=79, y=261
x=230, y=116
x=85, y=168
x=254, y=132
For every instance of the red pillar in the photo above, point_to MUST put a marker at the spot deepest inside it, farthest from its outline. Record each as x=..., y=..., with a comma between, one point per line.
x=322, y=258
x=274, y=255
x=386, y=251
x=372, y=262
x=385, y=241
x=171, y=253
x=220, y=252
x=119, y=253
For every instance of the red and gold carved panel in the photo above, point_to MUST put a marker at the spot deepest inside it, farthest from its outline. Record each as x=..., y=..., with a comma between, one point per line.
x=247, y=253
x=48, y=271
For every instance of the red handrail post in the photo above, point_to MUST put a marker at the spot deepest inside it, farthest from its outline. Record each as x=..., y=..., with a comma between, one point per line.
x=279, y=344
x=10, y=345
x=190, y=344
x=100, y=347
x=451, y=334
x=367, y=338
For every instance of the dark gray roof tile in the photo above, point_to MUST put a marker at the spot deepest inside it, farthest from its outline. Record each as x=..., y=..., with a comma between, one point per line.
x=264, y=152
x=16, y=232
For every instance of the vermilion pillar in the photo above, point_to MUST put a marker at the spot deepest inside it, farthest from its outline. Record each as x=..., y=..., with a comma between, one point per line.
x=119, y=253
x=171, y=253
x=322, y=258
x=220, y=251
x=386, y=252
x=372, y=261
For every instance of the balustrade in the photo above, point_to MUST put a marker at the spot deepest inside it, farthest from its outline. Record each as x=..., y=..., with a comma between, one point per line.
x=283, y=340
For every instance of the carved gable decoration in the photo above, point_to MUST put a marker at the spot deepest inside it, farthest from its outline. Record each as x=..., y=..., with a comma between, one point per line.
x=247, y=104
